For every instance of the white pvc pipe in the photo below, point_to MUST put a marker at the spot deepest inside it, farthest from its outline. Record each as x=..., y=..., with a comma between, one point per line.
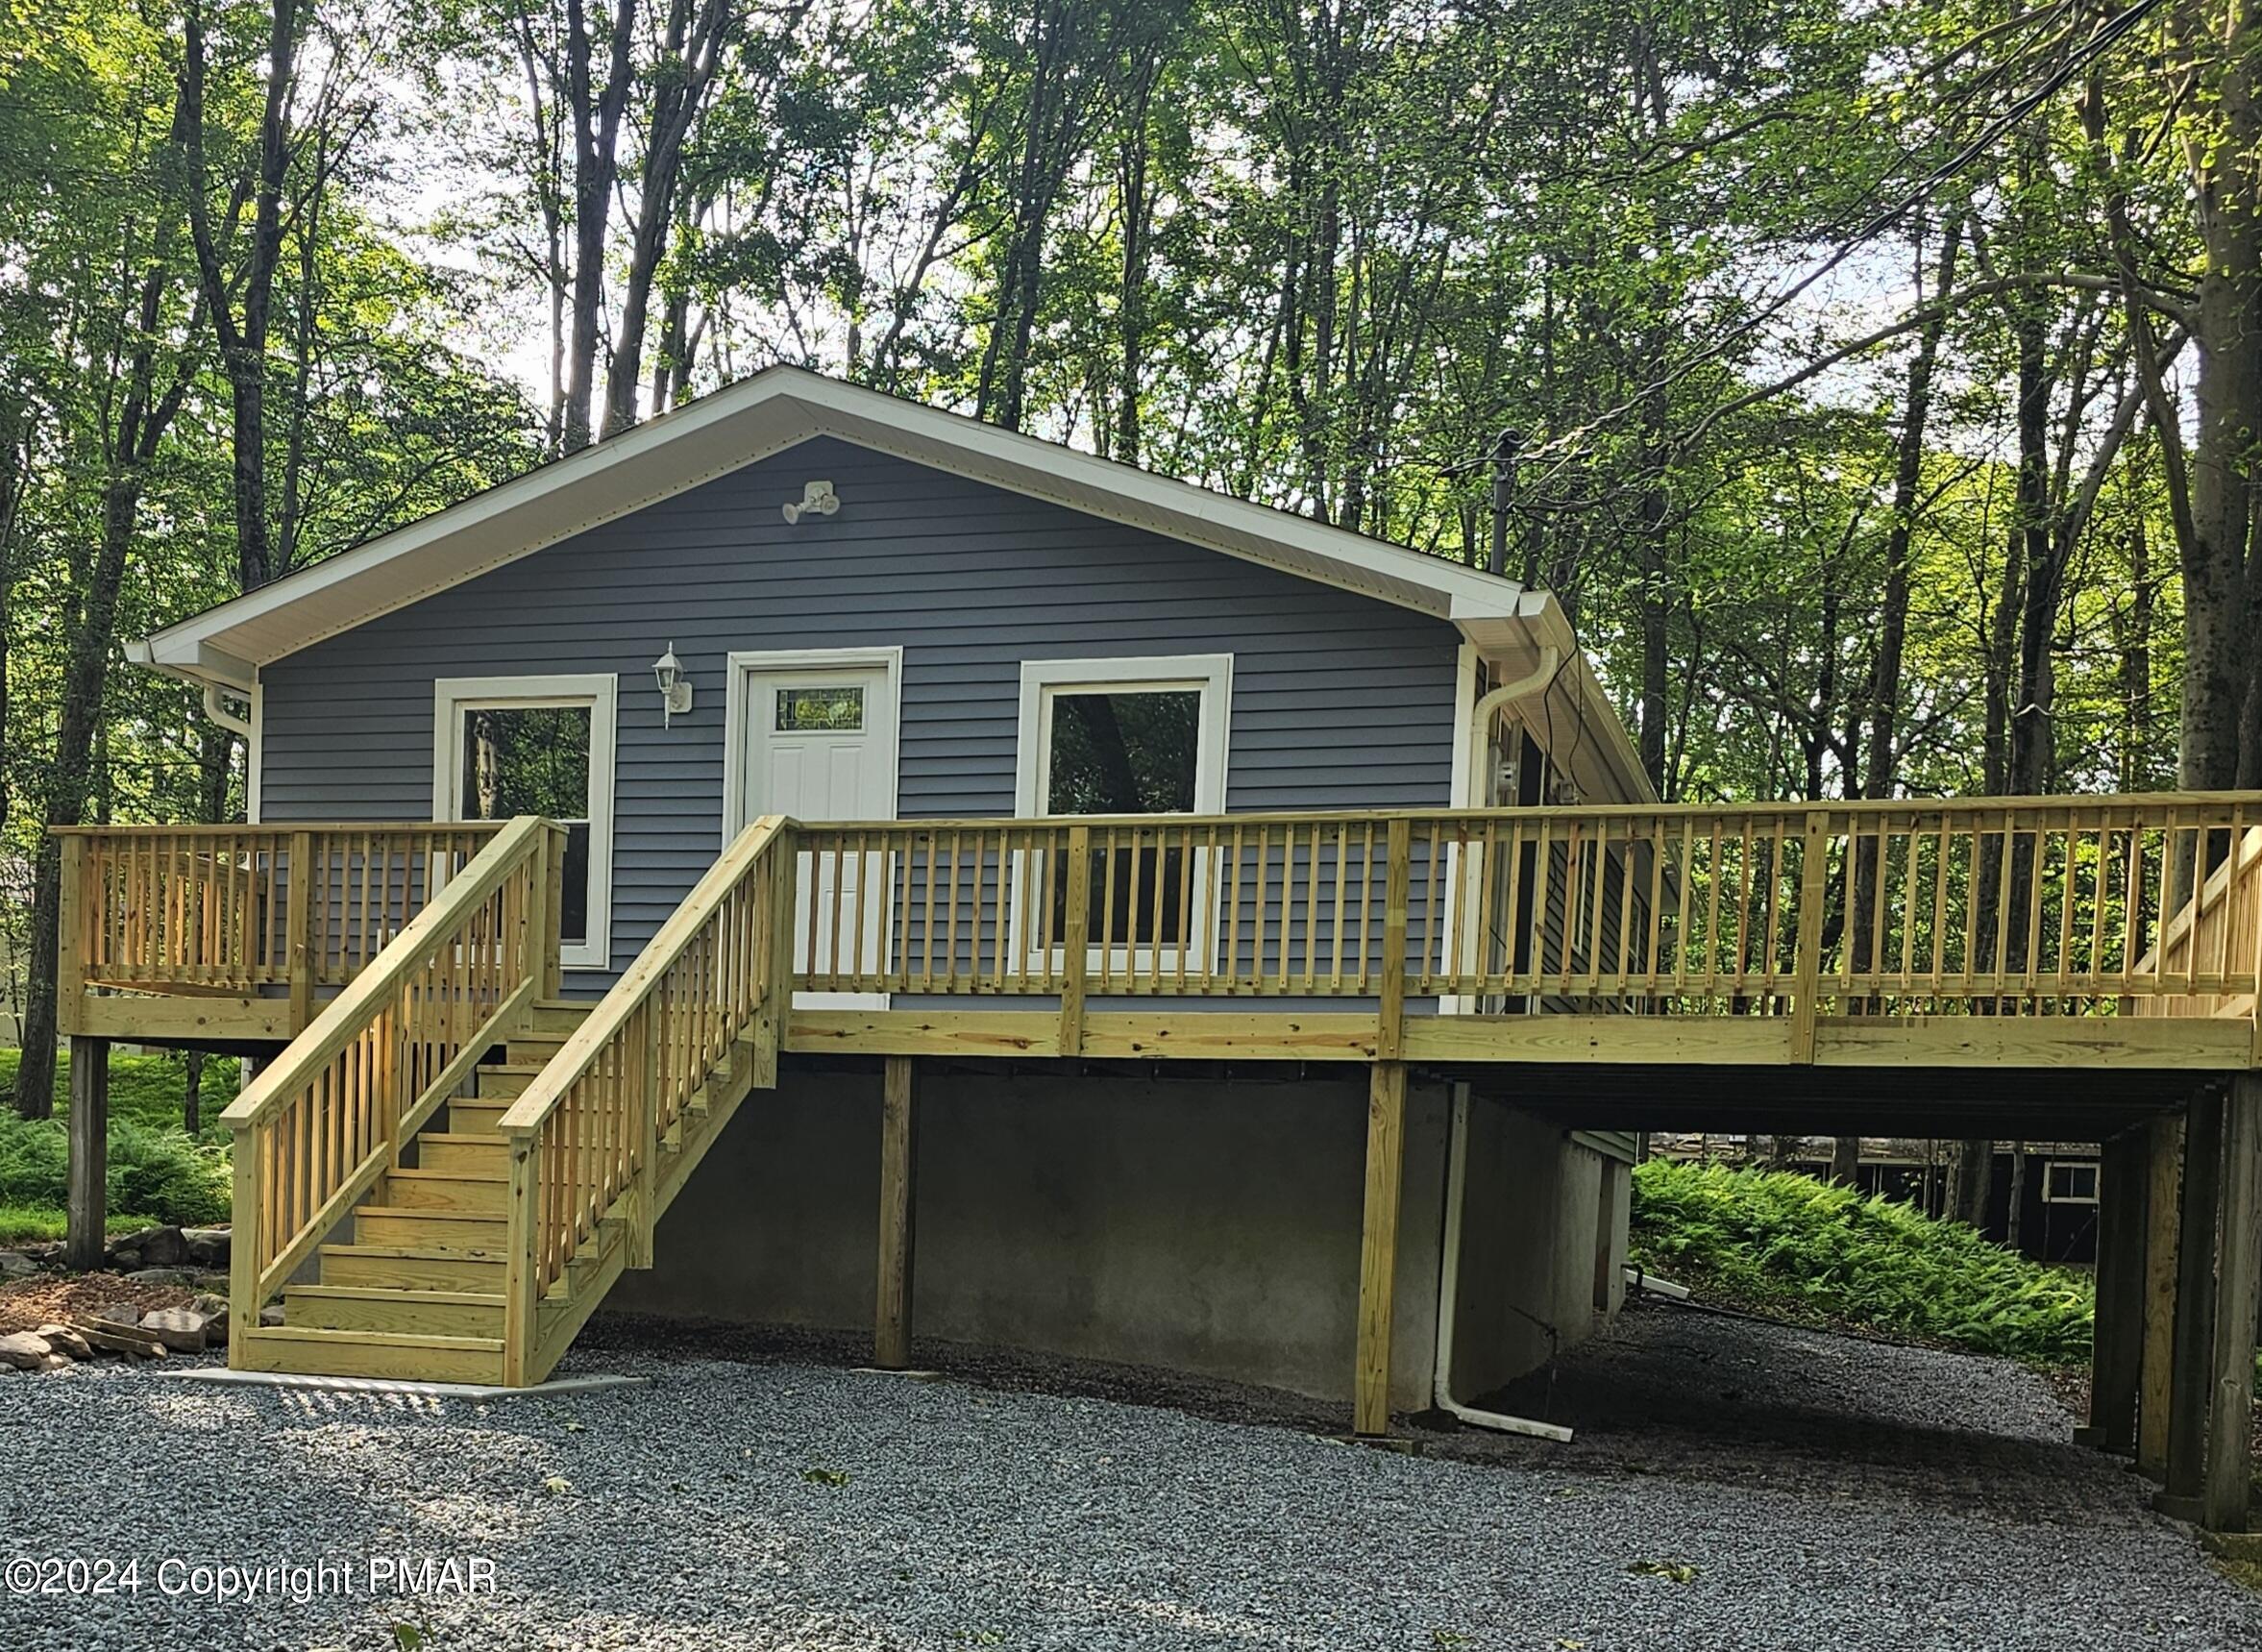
x=1449, y=1293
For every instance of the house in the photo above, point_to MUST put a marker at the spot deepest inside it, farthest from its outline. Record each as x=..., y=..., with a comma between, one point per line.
x=963, y=624
x=815, y=858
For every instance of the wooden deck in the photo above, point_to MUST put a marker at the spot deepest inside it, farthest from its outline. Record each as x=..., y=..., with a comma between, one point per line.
x=2086, y=953
x=2033, y=933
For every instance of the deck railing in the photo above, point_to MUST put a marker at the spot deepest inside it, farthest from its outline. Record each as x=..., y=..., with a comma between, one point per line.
x=331, y=1112
x=2221, y=928
x=586, y=1133
x=247, y=909
x=2011, y=906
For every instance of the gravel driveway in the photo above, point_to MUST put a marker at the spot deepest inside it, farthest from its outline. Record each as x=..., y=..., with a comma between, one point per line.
x=782, y=1504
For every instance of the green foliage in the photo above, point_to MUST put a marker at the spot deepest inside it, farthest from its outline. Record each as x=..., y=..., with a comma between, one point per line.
x=157, y=1172
x=1779, y=1241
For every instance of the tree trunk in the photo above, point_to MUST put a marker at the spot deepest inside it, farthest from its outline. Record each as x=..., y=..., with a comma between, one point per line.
x=1845, y=1160
x=597, y=110
x=1970, y=1177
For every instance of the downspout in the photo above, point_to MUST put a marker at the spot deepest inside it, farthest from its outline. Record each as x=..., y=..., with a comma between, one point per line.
x=220, y=714
x=1449, y=1288
x=1490, y=705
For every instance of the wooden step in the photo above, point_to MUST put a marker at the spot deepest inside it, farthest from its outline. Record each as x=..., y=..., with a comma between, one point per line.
x=506, y=1082
x=534, y=1048
x=486, y=1155
x=403, y=1312
x=561, y=1015
x=471, y=1118
x=406, y=1267
x=450, y=1232
x=383, y=1354
x=446, y=1190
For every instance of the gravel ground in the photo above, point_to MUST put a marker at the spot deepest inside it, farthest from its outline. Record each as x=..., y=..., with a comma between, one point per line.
x=1901, y=1499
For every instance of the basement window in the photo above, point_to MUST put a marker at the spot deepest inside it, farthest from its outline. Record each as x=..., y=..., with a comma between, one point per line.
x=506, y=745
x=2069, y=1181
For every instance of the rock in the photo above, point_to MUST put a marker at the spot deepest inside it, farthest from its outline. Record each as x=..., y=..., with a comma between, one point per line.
x=124, y=1259
x=55, y=1362
x=15, y=1264
x=152, y=1248
x=271, y=1314
x=63, y=1340
x=210, y=1302
x=25, y=1350
x=206, y=1246
x=162, y=1276
x=183, y=1330
x=117, y=1313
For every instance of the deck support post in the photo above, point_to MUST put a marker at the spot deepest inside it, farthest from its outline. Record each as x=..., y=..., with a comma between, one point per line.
x=891, y=1332
x=87, y=1181
x=1378, y=1246
x=2229, y=1472
x=2162, y=1204
x=2194, y=1343
x=2117, y=1346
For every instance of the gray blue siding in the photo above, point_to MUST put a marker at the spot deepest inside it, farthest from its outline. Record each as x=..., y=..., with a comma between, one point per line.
x=1338, y=700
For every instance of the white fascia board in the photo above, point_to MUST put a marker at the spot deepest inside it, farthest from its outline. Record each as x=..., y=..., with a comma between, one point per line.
x=773, y=410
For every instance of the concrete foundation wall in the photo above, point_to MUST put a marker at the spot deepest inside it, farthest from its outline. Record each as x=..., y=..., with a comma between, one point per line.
x=1200, y=1226
x=1532, y=1217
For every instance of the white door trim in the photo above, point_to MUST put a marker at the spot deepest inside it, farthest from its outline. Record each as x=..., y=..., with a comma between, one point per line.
x=886, y=722
x=743, y=666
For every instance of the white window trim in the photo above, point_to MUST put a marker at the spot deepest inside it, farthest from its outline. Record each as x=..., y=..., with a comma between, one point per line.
x=885, y=720
x=2089, y=1165
x=1211, y=676
x=599, y=691
x=1210, y=672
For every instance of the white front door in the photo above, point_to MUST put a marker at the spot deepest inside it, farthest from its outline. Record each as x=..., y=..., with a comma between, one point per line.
x=820, y=745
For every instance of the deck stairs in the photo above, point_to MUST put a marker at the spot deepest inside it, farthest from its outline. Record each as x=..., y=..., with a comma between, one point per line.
x=415, y=1288
x=442, y=1177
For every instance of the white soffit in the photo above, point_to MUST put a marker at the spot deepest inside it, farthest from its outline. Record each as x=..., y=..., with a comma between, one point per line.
x=763, y=415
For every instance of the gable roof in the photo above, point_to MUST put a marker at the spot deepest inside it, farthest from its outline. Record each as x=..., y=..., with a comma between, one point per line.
x=775, y=410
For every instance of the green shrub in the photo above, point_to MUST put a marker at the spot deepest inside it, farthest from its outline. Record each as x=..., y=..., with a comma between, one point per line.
x=156, y=1172
x=1777, y=1240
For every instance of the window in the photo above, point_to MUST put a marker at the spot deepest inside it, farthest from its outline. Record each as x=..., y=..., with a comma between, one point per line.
x=1126, y=737
x=2069, y=1181
x=506, y=745
x=836, y=710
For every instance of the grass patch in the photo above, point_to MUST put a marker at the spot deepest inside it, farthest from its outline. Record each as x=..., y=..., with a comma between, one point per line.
x=158, y=1172
x=26, y=1224
x=1787, y=1244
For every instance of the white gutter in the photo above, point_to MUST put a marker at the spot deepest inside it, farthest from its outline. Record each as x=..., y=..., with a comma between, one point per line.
x=1490, y=705
x=220, y=714
x=1449, y=1293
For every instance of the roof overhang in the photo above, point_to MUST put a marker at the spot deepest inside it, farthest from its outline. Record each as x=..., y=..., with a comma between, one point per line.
x=780, y=407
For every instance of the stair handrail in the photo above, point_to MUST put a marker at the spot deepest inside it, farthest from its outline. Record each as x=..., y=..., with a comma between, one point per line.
x=584, y=1134
x=2222, y=915
x=329, y=1115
